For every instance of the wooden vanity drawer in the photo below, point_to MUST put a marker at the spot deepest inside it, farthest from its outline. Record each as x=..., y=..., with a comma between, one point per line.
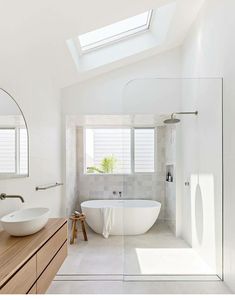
x=33, y=289
x=48, y=275
x=22, y=281
x=48, y=251
x=24, y=259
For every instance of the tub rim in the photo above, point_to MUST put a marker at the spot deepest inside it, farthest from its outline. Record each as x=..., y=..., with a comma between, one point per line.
x=156, y=203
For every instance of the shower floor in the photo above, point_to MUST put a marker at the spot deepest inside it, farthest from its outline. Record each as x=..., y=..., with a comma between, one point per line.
x=158, y=252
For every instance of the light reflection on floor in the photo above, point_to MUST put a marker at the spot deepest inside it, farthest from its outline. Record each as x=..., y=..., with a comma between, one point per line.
x=171, y=261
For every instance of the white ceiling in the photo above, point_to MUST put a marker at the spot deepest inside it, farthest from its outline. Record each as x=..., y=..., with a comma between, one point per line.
x=39, y=29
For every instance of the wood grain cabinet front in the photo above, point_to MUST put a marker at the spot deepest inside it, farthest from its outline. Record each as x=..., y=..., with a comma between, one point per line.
x=48, y=251
x=33, y=289
x=47, y=276
x=34, y=259
x=22, y=281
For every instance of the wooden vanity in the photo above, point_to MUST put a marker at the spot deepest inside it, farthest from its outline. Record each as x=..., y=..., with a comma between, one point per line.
x=29, y=264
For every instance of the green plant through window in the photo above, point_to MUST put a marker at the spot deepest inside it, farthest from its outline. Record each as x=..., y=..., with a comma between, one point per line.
x=107, y=166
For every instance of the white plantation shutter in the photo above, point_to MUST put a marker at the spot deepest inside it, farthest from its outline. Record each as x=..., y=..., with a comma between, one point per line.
x=101, y=143
x=116, y=142
x=23, y=151
x=7, y=150
x=144, y=150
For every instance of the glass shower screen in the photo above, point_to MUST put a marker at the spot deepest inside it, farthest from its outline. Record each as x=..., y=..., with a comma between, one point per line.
x=151, y=191
x=173, y=198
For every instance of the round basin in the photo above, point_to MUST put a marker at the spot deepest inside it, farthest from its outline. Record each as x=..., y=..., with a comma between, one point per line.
x=26, y=221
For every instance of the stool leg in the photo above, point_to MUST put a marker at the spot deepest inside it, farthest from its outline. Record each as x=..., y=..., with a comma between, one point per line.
x=73, y=232
x=84, y=230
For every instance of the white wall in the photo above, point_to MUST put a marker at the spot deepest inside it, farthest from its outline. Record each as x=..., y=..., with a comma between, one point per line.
x=71, y=189
x=209, y=52
x=26, y=78
x=7, y=104
x=104, y=94
x=201, y=166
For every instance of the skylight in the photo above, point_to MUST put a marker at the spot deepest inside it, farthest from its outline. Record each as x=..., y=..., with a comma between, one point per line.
x=115, y=32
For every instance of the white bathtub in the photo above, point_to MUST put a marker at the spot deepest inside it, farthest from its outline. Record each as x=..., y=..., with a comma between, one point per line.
x=130, y=217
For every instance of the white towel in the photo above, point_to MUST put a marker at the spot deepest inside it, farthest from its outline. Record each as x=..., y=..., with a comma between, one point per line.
x=108, y=219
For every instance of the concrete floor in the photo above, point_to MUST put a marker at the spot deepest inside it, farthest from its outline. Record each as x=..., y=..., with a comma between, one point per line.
x=158, y=252
x=102, y=266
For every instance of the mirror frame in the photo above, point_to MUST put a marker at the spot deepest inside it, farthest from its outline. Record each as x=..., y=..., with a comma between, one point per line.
x=10, y=176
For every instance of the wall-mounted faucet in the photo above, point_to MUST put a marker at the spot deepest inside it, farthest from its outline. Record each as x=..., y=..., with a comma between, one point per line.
x=4, y=196
x=119, y=193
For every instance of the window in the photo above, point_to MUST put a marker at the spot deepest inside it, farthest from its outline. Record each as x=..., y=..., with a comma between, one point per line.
x=13, y=151
x=119, y=150
x=115, y=32
x=23, y=151
x=108, y=150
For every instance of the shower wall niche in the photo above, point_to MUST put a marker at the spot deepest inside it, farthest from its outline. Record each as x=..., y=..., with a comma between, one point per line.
x=170, y=198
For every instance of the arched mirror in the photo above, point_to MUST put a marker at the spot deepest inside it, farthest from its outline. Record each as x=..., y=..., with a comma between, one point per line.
x=14, y=144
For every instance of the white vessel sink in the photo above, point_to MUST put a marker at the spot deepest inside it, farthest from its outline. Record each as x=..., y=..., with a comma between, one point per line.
x=26, y=221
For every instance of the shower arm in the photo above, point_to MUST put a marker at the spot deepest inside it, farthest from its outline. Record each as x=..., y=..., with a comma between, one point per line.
x=184, y=113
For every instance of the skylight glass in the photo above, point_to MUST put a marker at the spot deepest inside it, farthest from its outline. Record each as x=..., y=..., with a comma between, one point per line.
x=115, y=32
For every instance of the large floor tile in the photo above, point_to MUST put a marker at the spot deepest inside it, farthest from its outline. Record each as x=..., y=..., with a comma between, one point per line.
x=156, y=252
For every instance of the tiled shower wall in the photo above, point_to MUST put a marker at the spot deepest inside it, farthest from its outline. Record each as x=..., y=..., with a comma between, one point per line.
x=134, y=186
x=170, y=196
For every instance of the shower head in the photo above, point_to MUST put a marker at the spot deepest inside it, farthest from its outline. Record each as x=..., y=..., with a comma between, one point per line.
x=173, y=120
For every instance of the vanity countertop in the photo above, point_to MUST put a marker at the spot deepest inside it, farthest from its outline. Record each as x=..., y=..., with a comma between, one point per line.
x=16, y=251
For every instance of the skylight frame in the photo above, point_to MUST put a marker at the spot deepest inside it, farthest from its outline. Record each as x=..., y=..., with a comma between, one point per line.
x=117, y=37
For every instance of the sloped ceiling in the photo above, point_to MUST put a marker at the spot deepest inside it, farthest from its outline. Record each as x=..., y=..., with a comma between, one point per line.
x=39, y=29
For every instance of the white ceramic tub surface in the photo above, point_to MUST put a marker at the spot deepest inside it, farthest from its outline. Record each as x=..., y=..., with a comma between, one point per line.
x=131, y=217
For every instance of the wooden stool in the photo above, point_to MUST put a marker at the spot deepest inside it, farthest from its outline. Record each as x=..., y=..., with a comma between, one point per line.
x=75, y=218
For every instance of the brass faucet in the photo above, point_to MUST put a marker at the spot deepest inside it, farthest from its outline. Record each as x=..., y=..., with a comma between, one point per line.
x=4, y=196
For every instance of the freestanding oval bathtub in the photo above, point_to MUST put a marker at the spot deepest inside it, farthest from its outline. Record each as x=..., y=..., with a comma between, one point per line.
x=121, y=217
